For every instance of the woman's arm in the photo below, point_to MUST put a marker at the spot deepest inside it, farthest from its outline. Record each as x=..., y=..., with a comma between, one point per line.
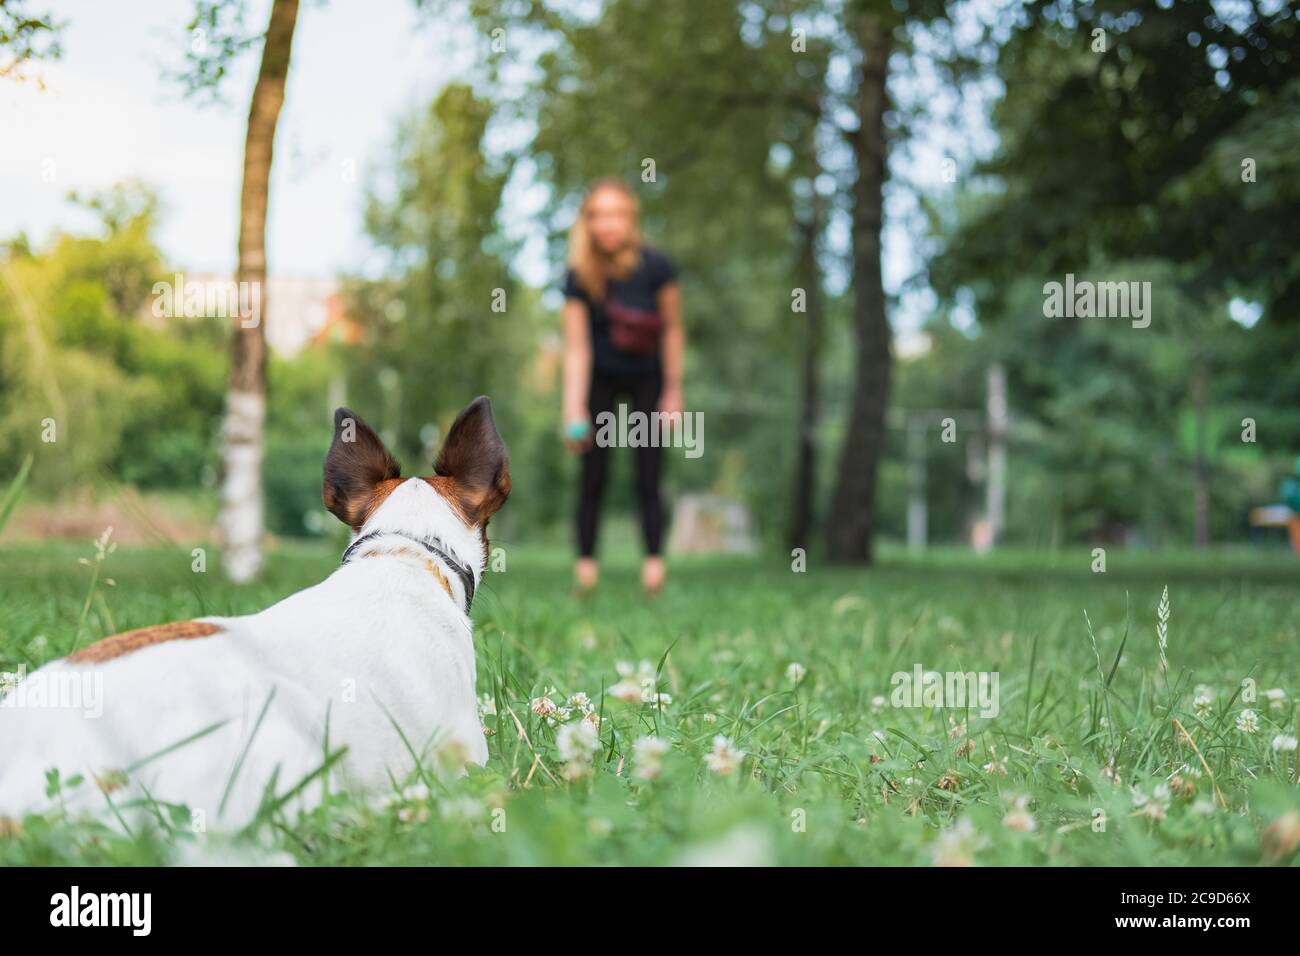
x=674, y=348
x=577, y=367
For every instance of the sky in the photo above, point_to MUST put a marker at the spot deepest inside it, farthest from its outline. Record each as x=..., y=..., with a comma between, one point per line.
x=109, y=112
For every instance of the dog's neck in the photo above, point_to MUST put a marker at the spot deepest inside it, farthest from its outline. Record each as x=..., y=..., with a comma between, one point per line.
x=384, y=541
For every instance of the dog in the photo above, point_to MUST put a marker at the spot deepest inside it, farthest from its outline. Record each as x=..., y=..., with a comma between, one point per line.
x=350, y=683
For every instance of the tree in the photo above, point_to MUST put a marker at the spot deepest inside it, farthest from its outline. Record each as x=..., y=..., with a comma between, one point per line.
x=241, y=490
x=449, y=291
x=851, y=522
x=878, y=42
x=25, y=36
x=241, y=516
x=1133, y=134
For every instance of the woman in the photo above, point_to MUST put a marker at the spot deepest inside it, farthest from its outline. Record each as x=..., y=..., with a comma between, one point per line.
x=623, y=336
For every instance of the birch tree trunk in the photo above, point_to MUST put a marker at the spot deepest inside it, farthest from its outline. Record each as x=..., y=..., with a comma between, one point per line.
x=241, y=518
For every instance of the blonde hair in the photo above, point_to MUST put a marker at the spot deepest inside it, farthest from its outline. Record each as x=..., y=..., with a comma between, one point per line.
x=592, y=266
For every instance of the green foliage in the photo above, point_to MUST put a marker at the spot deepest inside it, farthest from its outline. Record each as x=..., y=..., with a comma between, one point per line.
x=94, y=385
x=298, y=431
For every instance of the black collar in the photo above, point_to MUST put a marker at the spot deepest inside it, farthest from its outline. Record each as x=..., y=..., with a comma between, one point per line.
x=435, y=547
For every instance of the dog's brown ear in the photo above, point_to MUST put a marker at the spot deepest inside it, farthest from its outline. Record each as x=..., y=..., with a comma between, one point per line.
x=475, y=459
x=355, y=464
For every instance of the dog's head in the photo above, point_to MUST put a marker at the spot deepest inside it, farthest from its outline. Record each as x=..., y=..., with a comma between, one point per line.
x=364, y=489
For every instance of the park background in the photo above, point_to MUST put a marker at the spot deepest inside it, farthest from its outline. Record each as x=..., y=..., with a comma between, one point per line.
x=865, y=201
x=1006, y=170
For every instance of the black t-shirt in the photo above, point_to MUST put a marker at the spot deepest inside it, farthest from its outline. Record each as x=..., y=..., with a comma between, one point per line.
x=640, y=290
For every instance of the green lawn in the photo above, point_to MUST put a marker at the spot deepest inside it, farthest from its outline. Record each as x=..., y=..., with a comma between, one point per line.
x=831, y=772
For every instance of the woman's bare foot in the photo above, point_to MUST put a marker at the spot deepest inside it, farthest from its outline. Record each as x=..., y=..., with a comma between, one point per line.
x=585, y=574
x=653, y=573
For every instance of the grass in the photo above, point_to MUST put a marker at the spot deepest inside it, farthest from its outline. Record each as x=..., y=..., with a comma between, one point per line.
x=832, y=773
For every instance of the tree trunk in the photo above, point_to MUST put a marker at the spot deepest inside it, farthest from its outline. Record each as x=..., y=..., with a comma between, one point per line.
x=241, y=491
x=1201, y=467
x=805, y=483
x=995, y=491
x=852, y=518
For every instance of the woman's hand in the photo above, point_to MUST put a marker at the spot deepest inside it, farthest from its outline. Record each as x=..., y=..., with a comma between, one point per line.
x=577, y=431
x=670, y=402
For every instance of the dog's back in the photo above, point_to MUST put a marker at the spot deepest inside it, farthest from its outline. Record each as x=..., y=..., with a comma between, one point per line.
x=245, y=713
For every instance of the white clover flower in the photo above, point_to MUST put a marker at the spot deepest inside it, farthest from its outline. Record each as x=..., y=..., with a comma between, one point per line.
x=1276, y=698
x=580, y=702
x=9, y=680
x=577, y=741
x=637, y=683
x=998, y=767
x=724, y=758
x=1248, y=721
x=1202, y=705
x=709, y=718
x=1284, y=744
x=1019, y=818
x=487, y=706
x=648, y=755
x=627, y=691
x=796, y=672
x=1202, y=807
x=1154, y=807
x=543, y=706
x=1153, y=810
x=957, y=845
x=877, y=702
x=879, y=735
x=659, y=700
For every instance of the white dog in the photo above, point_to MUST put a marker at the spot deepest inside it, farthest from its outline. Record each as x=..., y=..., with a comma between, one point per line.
x=362, y=674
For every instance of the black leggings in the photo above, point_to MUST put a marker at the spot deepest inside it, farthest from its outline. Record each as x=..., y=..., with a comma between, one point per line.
x=644, y=391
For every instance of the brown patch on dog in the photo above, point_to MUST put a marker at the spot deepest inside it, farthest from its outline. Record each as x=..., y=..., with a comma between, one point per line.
x=429, y=565
x=382, y=491
x=451, y=493
x=355, y=466
x=128, y=641
x=475, y=458
x=446, y=585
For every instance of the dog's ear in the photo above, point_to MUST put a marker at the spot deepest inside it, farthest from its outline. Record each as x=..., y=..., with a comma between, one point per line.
x=355, y=464
x=475, y=459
